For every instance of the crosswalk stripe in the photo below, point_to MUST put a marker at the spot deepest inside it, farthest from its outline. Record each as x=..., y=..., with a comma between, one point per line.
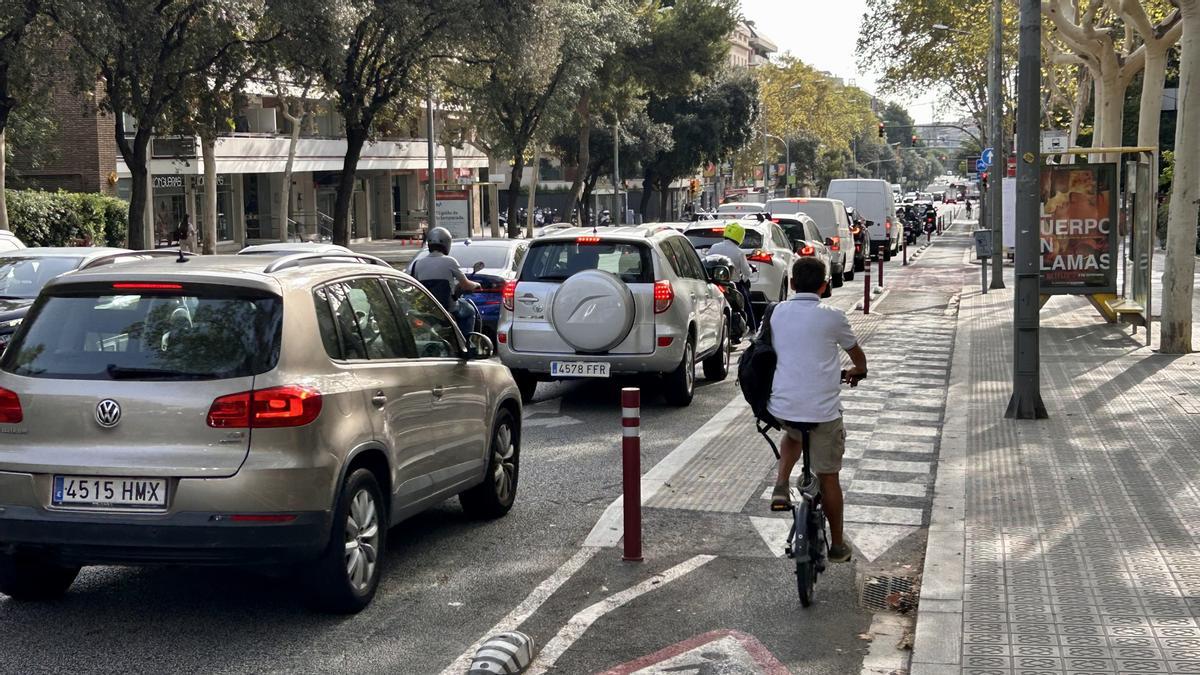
x=893, y=465
x=891, y=515
x=880, y=487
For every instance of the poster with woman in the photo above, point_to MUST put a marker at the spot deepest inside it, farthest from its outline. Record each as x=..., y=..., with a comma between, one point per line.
x=1078, y=229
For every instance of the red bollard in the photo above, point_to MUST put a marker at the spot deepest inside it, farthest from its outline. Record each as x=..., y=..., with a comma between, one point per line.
x=905, y=260
x=928, y=236
x=881, y=267
x=631, y=471
x=867, y=289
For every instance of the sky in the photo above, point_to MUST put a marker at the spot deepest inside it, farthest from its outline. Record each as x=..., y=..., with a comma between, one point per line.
x=823, y=33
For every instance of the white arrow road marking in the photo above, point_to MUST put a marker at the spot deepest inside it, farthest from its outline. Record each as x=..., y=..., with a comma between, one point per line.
x=873, y=540
x=551, y=422
x=548, y=407
x=526, y=609
x=774, y=531
x=581, y=622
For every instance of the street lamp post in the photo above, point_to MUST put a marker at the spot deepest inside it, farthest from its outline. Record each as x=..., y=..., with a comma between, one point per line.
x=999, y=150
x=1026, y=402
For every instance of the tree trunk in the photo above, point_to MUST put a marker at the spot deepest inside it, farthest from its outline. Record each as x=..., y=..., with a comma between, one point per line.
x=1110, y=113
x=3, y=184
x=589, y=186
x=514, y=192
x=355, y=138
x=1150, y=107
x=209, y=223
x=1082, y=98
x=533, y=185
x=285, y=193
x=1180, y=271
x=139, y=197
x=664, y=197
x=647, y=192
x=585, y=156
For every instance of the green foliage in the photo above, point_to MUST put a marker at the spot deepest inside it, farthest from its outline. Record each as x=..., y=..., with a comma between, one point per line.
x=67, y=218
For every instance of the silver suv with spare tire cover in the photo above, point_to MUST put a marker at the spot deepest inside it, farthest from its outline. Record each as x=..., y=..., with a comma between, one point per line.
x=621, y=300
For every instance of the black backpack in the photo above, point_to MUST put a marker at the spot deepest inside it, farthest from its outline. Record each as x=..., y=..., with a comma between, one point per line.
x=756, y=373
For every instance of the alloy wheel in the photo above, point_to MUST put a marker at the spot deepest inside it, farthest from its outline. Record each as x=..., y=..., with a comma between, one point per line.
x=362, y=540
x=504, y=462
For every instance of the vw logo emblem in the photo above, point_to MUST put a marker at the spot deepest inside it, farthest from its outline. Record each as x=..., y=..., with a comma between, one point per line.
x=108, y=413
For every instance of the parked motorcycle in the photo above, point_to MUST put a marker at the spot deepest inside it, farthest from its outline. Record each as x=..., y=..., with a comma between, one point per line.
x=719, y=270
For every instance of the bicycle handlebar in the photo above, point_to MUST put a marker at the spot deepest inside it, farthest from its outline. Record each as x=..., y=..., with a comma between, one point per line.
x=852, y=380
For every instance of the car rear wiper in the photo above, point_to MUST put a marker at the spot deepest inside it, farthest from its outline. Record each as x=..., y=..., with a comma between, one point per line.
x=126, y=373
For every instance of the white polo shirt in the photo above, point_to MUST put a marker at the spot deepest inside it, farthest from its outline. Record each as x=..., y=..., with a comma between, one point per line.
x=809, y=338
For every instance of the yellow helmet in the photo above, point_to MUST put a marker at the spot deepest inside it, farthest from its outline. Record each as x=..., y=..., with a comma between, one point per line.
x=736, y=232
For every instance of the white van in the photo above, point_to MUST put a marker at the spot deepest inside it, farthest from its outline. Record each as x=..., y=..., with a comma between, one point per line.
x=872, y=199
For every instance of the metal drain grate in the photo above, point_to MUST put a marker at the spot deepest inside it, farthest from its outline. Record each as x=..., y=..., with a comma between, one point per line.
x=887, y=592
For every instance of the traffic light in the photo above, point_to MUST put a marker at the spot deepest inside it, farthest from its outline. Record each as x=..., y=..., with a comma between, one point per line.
x=983, y=177
x=915, y=140
x=881, y=134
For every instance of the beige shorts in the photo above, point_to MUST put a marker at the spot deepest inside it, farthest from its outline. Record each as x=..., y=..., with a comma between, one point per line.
x=826, y=444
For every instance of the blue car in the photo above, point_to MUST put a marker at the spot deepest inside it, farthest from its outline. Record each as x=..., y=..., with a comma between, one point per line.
x=497, y=260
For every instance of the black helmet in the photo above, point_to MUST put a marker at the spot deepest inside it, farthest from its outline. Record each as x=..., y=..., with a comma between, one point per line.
x=439, y=239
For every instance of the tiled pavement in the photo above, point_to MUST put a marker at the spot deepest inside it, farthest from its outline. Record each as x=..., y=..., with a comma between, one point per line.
x=1078, y=552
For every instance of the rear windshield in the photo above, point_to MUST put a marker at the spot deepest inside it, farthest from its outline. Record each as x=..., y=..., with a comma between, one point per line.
x=183, y=335
x=24, y=277
x=741, y=207
x=557, y=260
x=491, y=255
x=707, y=237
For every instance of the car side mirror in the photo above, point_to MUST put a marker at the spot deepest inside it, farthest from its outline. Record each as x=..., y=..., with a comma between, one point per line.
x=719, y=274
x=477, y=266
x=479, y=346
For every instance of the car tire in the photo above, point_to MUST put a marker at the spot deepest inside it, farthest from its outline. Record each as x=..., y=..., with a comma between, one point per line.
x=331, y=582
x=494, y=497
x=716, y=366
x=849, y=275
x=837, y=278
x=527, y=384
x=29, y=577
x=860, y=264
x=680, y=384
x=887, y=253
x=783, y=291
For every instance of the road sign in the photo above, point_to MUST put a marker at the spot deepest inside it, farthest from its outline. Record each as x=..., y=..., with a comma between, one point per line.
x=987, y=156
x=981, y=166
x=1054, y=141
x=717, y=651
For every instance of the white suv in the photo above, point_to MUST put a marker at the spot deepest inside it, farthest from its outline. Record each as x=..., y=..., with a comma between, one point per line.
x=768, y=250
x=619, y=300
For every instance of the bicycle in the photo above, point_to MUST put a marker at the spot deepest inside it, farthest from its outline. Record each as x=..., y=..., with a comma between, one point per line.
x=808, y=539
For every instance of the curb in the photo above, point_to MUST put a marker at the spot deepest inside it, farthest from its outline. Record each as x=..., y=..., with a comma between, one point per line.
x=937, y=649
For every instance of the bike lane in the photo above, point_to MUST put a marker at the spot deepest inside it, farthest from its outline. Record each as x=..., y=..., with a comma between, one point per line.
x=715, y=593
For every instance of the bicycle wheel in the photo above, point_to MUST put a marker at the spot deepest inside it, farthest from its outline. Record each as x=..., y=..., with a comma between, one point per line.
x=806, y=581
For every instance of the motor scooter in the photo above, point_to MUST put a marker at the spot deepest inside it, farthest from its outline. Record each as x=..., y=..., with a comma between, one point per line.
x=719, y=270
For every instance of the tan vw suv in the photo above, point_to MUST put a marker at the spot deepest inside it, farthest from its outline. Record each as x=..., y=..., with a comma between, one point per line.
x=236, y=409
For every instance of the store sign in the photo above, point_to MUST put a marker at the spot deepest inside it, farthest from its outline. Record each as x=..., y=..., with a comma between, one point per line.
x=198, y=181
x=1078, y=229
x=169, y=181
x=452, y=210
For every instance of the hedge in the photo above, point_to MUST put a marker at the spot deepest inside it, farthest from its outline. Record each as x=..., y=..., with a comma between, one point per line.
x=67, y=218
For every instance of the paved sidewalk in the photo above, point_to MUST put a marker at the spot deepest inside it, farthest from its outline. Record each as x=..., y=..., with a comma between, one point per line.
x=1066, y=545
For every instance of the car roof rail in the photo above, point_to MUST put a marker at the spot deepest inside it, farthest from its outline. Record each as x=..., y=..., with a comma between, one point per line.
x=111, y=258
x=298, y=259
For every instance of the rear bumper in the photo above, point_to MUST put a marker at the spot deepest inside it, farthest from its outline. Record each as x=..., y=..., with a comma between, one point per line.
x=662, y=360
x=192, y=538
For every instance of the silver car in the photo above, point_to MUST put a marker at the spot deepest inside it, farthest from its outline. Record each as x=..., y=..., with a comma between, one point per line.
x=615, y=300
x=242, y=409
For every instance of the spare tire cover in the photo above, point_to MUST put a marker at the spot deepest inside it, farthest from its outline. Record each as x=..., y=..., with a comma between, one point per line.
x=593, y=311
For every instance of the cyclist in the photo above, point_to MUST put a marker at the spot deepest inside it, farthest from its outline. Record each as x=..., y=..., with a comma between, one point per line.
x=808, y=337
x=731, y=247
x=968, y=207
x=442, y=277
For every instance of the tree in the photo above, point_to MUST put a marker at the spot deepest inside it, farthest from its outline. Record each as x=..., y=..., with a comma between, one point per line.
x=519, y=90
x=294, y=109
x=898, y=123
x=1179, y=274
x=707, y=126
x=22, y=68
x=373, y=55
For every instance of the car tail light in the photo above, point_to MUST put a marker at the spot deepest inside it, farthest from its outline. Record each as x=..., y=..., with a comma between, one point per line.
x=502, y=338
x=664, y=295
x=10, y=407
x=858, y=248
x=761, y=256
x=775, y=220
x=808, y=250
x=509, y=295
x=887, y=225
x=665, y=341
x=286, y=406
x=587, y=239
x=137, y=286
x=836, y=245
x=719, y=230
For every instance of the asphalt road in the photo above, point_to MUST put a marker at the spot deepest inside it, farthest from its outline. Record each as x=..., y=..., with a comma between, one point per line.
x=448, y=580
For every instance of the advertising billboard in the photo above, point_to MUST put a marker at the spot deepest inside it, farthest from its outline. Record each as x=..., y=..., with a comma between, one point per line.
x=1079, y=229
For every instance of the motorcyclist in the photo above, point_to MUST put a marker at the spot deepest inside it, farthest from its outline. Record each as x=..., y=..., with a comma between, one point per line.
x=731, y=247
x=441, y=275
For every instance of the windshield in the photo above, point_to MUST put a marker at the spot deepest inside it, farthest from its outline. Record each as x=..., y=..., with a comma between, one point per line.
x=165, y=336
x=24, y=277
x=558, y=260
x=703, y=238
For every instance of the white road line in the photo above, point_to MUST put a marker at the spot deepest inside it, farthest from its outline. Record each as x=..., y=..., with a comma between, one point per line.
x=581, y=622
x=609, y=529
x=892, y=465
x=879, y=487
x=527, y=607
x=891, y=515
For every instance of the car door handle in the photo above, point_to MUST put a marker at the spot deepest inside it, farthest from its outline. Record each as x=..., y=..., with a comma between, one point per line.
x=438, y=391
x=379, y=399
